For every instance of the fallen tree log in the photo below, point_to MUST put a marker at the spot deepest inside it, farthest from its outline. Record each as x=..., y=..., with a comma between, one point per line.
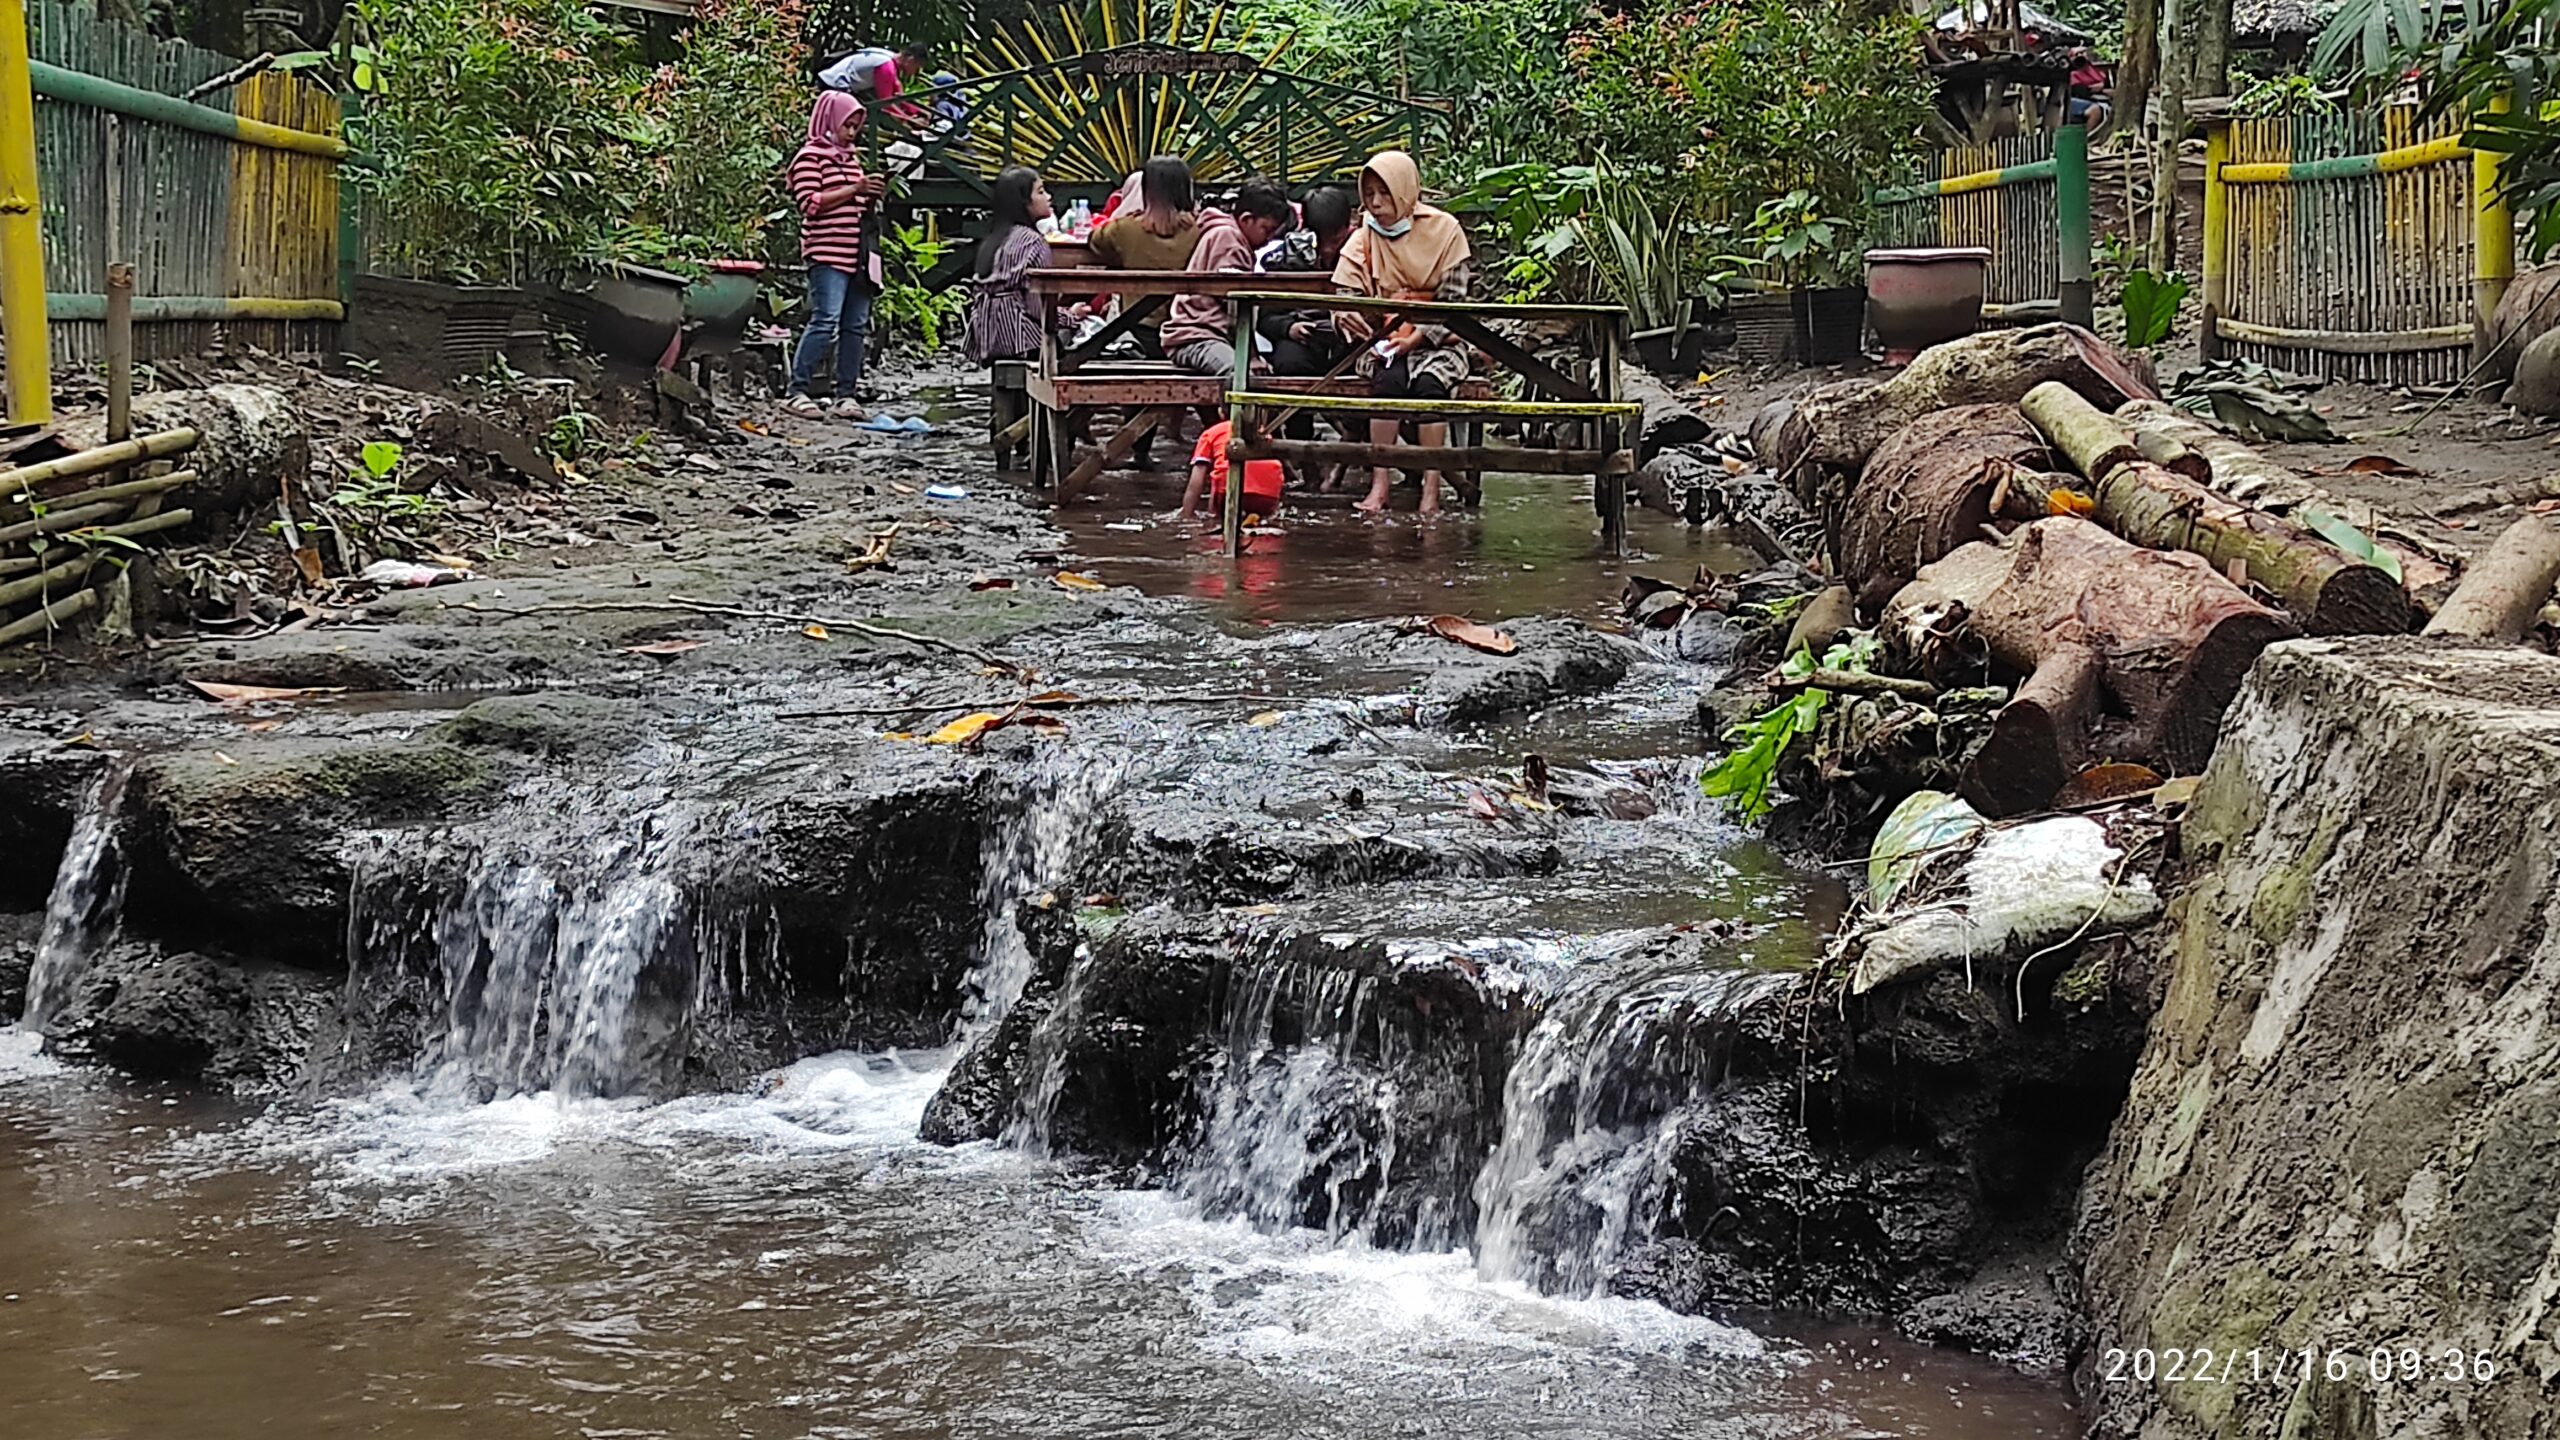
x=2505, y=587
x=2231, y=467
x=2087, y=436
x=248, y=436
x=1926, y=491
x=2124, y=650
x=2328, y=591
x=1668, y=422
x=1839, y=426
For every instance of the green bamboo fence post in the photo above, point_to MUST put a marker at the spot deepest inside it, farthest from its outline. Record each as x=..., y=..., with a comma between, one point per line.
x=350, y=215
x=2071, y=207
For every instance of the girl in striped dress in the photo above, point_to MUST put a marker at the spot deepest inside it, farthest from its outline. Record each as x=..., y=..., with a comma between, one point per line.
x=838, y=203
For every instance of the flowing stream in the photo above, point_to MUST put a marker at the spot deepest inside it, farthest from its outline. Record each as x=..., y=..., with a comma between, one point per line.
x=86, y=902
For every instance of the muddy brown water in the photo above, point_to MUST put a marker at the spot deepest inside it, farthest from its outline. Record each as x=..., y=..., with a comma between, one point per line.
x=794, y=1262
x=1528, y=551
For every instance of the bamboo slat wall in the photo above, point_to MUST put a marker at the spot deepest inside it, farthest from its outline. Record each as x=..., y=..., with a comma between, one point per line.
x=2015, y=218
x=199, y=215
x=2389, y=252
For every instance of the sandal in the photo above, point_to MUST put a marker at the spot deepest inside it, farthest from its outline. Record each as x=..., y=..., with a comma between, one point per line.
x=849, y=410
x=804, y=405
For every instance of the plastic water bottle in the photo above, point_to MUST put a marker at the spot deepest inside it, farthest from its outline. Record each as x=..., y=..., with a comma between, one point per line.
x=1080, y=219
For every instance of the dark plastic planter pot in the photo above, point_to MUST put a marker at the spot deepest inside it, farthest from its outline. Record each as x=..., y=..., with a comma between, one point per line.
x=1764, y=326
x=1671, y=352
x=630, y=312
x=1920, y=298
x=1831, y=324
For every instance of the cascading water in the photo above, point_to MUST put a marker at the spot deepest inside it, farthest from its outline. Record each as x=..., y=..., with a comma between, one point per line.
x=1031, y=847
x=573, y=951
x=86, y=902
x=1591, y=1112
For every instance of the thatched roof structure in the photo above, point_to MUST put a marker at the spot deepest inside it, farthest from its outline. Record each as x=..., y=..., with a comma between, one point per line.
x=2271, y=22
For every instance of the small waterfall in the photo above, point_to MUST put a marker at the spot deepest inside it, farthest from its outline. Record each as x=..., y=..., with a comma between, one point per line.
x=1052, y=814
x=1591, y=1114
x=571, y=948
x=87, y=899
x=1297, y=1132
x=1335, y=1103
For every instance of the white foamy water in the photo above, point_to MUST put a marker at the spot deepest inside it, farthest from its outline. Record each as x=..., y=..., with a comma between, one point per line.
x=22, y=1055
x=1346, y=1311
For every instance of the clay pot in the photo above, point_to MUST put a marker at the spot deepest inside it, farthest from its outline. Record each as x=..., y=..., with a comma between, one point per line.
x=1920, y=298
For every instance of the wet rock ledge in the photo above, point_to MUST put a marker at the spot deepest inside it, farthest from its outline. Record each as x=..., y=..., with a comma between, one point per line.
x=2344, y=1136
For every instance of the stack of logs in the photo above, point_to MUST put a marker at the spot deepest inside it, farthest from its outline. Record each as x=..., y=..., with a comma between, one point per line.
x=68, y=524
x=2027, y=504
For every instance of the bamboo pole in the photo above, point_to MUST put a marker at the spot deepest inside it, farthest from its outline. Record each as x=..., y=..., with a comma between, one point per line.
x=22, y=318
x=124, y=490
x=51, y=616
x=119, y=353
x=14, y=483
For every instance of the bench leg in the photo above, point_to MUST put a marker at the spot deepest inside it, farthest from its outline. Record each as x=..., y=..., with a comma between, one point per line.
x=1470, y=482
x=1004, y=423
x=1140, y=425
x=1609, y=497
x=1051, y=450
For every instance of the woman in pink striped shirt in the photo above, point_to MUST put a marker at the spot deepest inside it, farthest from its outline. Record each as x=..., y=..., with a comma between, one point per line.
x=837, y=202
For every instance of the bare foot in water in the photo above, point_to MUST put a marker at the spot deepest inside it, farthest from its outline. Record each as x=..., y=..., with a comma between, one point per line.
x=1369, y=504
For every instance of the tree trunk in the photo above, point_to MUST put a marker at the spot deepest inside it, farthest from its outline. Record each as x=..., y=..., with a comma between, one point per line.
x=2139, y=70
x=2505, y=587
x=1668, y=422
x=2328, y=591
x=2233, y=469
x=1927, y=491
x=2086, y=435
x=1839, y=426
x=2171, y=641
x=2196, y=62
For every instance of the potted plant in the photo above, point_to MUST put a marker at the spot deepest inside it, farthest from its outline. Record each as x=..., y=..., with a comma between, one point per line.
x=1809, y=255
x=1640, y=254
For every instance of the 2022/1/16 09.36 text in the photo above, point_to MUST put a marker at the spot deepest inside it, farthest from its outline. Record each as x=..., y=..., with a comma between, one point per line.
x=2380, y=1364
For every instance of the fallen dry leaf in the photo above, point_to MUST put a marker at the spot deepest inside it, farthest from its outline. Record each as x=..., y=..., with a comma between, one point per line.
x=751, y=427
x=225, y=759
x=901, y=488
x=2180, y=791
x=2064, y=501
x=1266, y=718
x=1472, y=635
x=2379, y=465
x=262, y=726
x=966, y=728
x=664, y=647
x=1070, y=580
x=1055, y=697
x=256, y=694
x=991, y=582
x=816, y=632
x=2101, y=783
x=897, y=735
x=1038, y=721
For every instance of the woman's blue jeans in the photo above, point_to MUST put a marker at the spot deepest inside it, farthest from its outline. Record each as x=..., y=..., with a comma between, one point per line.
x=839, y=314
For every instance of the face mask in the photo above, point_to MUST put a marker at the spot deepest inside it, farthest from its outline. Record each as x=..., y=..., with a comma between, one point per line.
x=1392, y=232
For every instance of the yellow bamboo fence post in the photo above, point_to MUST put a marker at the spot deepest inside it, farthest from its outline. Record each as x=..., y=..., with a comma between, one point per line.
x=2493, y=246
x=22, y=318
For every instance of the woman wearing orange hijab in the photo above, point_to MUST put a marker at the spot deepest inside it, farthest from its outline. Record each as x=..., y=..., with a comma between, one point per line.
x=1406, y=250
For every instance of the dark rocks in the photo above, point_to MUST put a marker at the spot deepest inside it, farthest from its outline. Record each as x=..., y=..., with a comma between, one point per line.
x=19, y=931
x=193, y=1018
x=1557, y=660
x=256, y=841
x=2013, y=1315
x=551, y=725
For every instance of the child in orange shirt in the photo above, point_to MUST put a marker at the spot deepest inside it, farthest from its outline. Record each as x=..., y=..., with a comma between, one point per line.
x=1262, y=478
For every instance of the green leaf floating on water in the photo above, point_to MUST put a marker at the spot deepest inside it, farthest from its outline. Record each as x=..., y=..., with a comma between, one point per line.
x=2348, y=538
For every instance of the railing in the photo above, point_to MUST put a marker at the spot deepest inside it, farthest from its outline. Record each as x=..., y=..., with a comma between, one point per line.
x=2355, y=247
x=1086, y=120
x=227, y=206
x=2026, y=200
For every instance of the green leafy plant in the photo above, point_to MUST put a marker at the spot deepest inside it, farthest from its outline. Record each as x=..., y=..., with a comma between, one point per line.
x=570, y=436
x=1762, y=742
x=906, y=305
x=2151, y=306
x=1797, y=241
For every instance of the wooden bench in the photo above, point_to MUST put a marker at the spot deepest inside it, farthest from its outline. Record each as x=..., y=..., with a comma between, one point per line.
x=1587, y=404
x=1073, y=381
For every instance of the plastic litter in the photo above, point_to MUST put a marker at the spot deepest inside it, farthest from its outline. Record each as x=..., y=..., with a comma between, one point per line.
x=410, y=575
x=946, y=492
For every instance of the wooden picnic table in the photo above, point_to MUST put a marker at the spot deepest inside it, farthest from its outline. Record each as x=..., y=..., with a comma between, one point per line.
x=1588, y=402
x=1071, y=382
